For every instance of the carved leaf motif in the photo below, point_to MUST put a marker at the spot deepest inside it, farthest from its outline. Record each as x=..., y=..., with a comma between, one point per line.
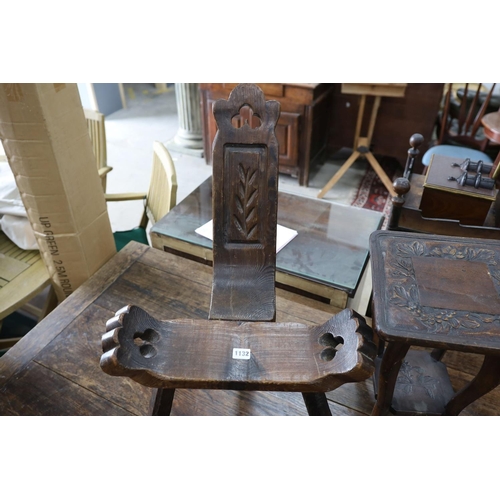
x=480, y=255
x=403, y=268
x=410, y=377
x=245, y=219
x=437, y=320
x=410, y=249
x=405, y=297
x=429, y=384
x=469, y=322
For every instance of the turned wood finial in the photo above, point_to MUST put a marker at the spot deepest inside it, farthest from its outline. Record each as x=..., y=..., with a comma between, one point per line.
x=416, y=140
x=401, y=186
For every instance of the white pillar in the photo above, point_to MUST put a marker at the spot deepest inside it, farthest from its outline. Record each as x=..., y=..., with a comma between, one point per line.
x=189, y=137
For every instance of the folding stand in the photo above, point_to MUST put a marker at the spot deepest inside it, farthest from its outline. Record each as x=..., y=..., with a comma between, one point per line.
x=362, y=144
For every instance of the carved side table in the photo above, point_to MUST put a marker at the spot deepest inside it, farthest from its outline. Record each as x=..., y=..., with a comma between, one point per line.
x=436, y=292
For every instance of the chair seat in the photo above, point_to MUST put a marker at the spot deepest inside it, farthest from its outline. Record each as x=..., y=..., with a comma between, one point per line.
x=455, y=152
x=122, y=238
x=233, y=355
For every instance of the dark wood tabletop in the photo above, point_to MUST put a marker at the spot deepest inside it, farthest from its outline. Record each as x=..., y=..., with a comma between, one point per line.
x=436, y=292
x=54, y=369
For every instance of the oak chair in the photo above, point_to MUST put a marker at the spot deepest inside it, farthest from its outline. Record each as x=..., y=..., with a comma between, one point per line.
x=459, y=126
x=240, y=347
x=158, y=201
x=97, y=132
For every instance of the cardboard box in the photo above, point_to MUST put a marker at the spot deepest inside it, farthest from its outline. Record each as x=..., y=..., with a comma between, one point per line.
x=45, y=137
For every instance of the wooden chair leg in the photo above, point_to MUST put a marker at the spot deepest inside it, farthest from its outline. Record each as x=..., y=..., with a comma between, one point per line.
x=316, y=404
x=438, y=354
x=162, y=405
x=394, y=355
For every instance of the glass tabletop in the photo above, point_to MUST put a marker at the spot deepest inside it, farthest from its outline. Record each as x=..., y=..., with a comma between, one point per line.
x=331, y=246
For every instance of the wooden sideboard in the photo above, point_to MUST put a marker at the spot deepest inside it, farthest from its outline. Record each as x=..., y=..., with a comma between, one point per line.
x=302, y=129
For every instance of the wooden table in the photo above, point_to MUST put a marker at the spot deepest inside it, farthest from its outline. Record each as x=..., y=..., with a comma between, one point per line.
x=54, y=369
x=491, y=125
x=326, y=260
x=440, y=293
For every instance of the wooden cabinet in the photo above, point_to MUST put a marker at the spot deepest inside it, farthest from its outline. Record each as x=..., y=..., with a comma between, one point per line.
x=302, y=129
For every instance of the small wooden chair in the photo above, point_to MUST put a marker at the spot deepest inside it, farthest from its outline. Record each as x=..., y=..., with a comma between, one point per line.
x=97, y=132
x=459, y=128
x=241, y=347
x=158, y=201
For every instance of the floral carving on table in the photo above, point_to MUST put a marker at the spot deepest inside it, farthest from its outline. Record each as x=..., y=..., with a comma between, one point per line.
x=411, y=377
x=405, y=293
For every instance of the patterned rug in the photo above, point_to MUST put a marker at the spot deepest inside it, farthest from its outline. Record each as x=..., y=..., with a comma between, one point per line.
x=372, y=194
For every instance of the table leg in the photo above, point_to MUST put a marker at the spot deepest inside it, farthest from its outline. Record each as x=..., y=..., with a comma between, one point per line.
x=486, y=380
x=316, y=404
x=163, y=400
x=392, y=358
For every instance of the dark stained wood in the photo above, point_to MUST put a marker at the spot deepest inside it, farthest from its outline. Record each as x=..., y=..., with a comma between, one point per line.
x=444, y=198
x=410, y=216
x=389, y=369
x=441, y=293
x=398, y=307
x=245, y=201
x=45, y=392
x=60, y=356
x=201, y=354
x=410, y=212
x=316, y=404
x=423, y=385
x=190, y=402
x=162, y=403
x=358, y=397
x=78, y=338
x=240, y=347
x=29, y=387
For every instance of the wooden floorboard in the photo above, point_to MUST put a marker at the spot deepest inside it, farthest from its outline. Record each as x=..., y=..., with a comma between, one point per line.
x=246, y=403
